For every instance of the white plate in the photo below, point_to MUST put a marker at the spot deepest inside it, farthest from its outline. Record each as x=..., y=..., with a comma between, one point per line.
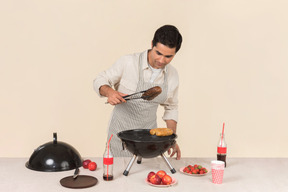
x=174, y=181
x=181, y=170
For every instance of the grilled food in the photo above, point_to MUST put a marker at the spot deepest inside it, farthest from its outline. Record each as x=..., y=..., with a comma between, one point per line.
x=151, y=93
x=161, y=131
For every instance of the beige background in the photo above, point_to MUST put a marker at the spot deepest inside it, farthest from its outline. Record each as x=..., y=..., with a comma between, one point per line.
x=232, y=66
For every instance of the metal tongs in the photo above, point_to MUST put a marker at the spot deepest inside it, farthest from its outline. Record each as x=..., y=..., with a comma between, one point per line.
x=148, y=94
x=128, y=97
x=145, y=94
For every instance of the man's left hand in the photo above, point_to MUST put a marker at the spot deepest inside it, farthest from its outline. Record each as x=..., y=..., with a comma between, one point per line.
x=175, y=149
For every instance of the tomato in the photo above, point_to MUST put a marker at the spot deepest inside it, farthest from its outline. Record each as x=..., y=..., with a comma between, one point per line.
x=92, y=166
x=155, y=179
x=161, y=173
x=150, y=175
x=85, y=163
x=166, y=180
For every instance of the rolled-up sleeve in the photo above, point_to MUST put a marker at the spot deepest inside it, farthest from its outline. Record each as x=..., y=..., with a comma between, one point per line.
x=171, y=104
x=110, y=77
x=171, y=107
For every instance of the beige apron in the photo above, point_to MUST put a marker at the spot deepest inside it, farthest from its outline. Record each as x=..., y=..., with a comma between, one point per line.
x=135, y=114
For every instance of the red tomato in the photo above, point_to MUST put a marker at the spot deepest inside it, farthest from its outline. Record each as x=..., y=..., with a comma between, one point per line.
x=166, y=180
x=150, y=175
x=92, y=166
x=155, y=179
x=161, y=173
x=86, y=163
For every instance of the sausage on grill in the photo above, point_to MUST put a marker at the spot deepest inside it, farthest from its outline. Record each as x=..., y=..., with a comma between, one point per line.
x=161, y=131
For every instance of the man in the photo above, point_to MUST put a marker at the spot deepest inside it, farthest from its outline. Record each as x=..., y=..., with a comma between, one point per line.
x=138, y=72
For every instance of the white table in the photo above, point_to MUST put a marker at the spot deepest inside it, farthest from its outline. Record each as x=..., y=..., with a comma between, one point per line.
x=241, y=174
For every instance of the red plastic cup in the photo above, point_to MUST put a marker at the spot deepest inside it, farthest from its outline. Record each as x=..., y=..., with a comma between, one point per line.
x=217, y=168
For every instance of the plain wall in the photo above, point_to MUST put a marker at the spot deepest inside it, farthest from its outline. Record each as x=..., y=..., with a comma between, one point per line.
x=232, y=67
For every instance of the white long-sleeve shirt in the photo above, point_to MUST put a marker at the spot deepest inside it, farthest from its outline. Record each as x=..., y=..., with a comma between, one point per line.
x=124, y=77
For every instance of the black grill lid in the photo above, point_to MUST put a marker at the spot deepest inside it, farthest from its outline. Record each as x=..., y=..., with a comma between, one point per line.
x=54, y=156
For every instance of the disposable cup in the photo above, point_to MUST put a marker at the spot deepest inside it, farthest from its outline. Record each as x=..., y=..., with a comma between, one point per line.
x=217, y=168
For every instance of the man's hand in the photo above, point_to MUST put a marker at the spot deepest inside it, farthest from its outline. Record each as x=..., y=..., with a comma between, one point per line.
x=114, y=97
x=175, y=149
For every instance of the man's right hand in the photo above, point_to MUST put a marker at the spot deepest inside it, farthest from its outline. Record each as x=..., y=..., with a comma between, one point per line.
x=114, y=97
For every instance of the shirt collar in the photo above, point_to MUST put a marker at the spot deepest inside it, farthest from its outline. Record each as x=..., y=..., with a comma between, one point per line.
x=145, y=64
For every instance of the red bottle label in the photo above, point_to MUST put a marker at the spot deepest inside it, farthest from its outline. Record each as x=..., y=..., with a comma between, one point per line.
x=108, y=161
x=222, y=150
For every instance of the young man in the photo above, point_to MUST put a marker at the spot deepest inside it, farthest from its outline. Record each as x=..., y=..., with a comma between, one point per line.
x=138, y=72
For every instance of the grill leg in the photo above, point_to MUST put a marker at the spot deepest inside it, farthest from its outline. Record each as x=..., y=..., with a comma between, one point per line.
x=129, y=165
x=139, y=160
x=168, y=164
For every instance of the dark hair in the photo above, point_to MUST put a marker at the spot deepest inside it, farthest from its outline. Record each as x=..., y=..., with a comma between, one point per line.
x=168, y=35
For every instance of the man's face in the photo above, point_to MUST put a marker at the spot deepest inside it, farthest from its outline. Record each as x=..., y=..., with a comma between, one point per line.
x=160, y=55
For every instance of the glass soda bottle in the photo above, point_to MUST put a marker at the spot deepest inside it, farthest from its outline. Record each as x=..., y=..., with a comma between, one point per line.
x=107, y=164
x=222, y=149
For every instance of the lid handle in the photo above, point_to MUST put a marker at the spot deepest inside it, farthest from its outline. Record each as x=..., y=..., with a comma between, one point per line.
x=54, y=138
